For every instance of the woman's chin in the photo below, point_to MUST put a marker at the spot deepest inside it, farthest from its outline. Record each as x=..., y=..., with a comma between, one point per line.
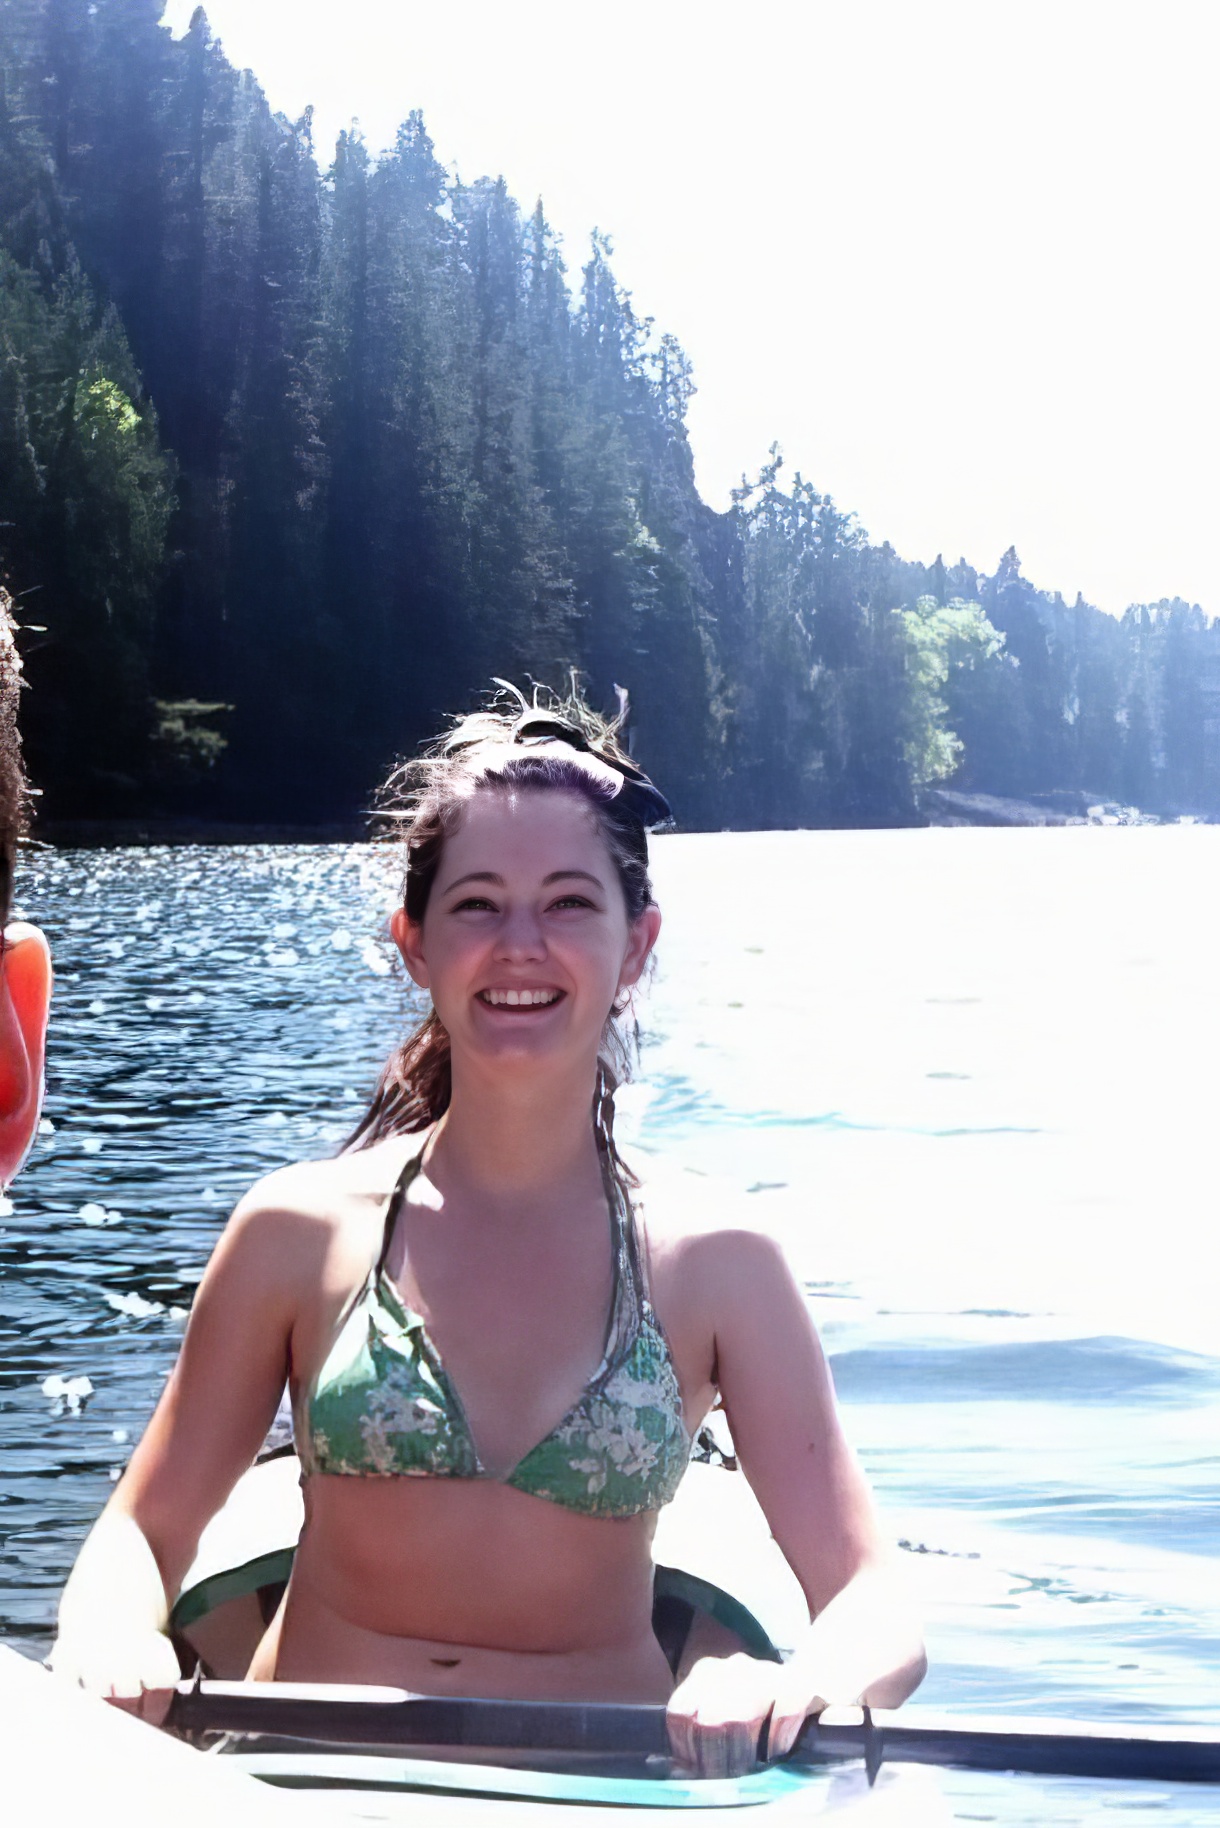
x=541, y=1034
x=520, y=1044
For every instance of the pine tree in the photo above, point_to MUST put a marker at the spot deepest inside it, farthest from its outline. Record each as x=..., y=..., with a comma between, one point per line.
x=85, y=495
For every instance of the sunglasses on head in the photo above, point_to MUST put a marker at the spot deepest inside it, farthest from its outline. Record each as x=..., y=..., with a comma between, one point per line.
x=637, y=796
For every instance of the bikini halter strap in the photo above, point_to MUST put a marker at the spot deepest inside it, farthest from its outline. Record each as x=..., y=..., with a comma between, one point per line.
x=630, y=1294
x=407, y=1173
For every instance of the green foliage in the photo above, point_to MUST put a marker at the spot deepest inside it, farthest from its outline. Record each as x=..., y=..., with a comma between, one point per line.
x=185, y=741
x=411, y=452
x=941, y=639
x=85, y=500
x=105, y=414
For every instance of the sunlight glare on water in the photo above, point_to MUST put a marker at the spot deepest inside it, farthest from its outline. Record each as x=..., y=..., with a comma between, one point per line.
x=965, y=1075
x=980, y=1061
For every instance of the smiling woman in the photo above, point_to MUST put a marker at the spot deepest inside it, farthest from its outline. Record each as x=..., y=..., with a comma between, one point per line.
x=499, y=1345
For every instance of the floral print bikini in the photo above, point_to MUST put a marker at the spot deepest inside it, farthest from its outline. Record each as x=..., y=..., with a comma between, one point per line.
x=383, y=1405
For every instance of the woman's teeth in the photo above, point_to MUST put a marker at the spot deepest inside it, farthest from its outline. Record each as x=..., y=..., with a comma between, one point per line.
x=517, y=998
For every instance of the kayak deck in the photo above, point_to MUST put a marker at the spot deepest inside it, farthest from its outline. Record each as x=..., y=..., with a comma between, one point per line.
x=637, y=1789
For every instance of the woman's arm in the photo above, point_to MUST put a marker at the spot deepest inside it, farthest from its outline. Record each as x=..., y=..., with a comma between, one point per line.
x=209, y=1424
x=864, y=1642
x=25, y=1001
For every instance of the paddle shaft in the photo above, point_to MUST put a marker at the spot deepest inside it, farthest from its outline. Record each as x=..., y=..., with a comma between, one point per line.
x=391, y=1718
x=1045, y=1748
x=413, y=1720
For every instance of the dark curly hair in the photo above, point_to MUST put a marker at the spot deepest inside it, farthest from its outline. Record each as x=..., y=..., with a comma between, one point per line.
x=14, y=788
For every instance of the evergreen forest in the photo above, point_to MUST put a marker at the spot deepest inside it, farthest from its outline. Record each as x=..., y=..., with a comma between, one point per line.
x=300, y=448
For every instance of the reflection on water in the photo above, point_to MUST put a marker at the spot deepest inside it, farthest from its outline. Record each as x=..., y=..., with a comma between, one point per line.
x=217, y=1012
x=961, y=1073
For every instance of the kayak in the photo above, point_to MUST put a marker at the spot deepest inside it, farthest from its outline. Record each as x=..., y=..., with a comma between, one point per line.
x=381, y=1748
x=713, y=1552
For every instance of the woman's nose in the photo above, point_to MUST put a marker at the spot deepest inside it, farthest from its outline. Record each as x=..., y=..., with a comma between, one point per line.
x=521, y=936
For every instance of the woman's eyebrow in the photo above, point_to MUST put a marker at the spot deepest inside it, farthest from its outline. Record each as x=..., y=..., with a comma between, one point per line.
x=473, y=876
x=490, y=876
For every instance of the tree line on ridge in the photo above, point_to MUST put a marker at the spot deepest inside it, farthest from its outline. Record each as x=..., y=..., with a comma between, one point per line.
x=294, y=460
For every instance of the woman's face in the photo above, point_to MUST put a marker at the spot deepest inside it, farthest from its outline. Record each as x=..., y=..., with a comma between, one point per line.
x=526, y=941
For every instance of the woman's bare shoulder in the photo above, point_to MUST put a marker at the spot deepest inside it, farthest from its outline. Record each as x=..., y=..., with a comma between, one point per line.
x=698, y=1216
x=318, y=1205
x=326, y=1188
x=711, y=1254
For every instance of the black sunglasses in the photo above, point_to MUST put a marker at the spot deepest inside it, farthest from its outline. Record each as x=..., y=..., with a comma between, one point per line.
x=637, y=796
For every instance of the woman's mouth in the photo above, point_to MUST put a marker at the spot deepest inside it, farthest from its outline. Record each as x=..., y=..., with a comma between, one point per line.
x=519, y=999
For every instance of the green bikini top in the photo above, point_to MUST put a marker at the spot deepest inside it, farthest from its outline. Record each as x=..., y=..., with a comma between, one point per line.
x=383, y=1404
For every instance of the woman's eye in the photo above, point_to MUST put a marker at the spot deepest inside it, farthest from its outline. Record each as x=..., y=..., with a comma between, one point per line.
x=479, y=904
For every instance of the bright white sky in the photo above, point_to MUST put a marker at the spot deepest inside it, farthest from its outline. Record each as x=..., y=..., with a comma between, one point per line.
x=958, y=256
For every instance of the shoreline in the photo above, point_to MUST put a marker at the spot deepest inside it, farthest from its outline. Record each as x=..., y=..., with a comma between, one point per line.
x=947, y=806
x=939, y=806
x=113, y=834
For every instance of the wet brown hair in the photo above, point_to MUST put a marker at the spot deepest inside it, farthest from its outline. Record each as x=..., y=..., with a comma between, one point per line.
x=547, y=744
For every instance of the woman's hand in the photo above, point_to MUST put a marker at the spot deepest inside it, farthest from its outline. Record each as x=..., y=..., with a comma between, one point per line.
x=865, y=1646
x=864, y=1641
x=136, y=1670
x=717, y=1713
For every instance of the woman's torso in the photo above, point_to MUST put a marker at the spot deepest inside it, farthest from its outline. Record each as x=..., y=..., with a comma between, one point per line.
x=466, y=1584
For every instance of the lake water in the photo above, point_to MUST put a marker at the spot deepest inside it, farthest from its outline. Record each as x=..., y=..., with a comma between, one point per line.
x=968, y=1076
